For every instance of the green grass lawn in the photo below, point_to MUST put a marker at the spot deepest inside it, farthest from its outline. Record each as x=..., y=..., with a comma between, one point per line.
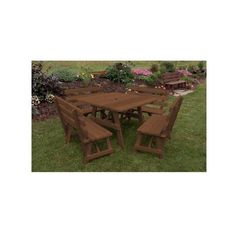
x=186, y=151
x=102, y=65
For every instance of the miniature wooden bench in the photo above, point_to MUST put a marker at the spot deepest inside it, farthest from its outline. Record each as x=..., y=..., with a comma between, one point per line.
x=99, y=73
x=172, y=80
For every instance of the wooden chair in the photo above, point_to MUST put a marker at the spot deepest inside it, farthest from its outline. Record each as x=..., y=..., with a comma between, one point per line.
x=88, y=131
x=157, y=130
x=85, y=108
x=150, y=109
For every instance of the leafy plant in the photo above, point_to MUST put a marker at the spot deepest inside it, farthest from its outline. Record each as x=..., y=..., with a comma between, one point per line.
x=201, y=66
x=65, y=74
x=167, y=66
x=193, y=69
x=120, y=73
x=154, y=68
x=43, y=84
x=85, y=75
x=187, y=79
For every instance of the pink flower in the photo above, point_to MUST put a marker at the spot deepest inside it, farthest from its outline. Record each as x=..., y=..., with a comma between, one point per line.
x=185, y=72
x=139, y=71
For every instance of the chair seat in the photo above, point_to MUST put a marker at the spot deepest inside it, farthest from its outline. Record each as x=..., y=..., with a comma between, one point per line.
x=154, y=125
x=95, y=131
x=176, y=82
x=152, y=110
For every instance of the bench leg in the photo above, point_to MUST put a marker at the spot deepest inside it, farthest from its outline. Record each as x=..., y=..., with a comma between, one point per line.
x=160, y=147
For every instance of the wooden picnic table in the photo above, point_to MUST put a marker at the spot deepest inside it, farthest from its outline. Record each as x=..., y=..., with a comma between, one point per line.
x=115, y=103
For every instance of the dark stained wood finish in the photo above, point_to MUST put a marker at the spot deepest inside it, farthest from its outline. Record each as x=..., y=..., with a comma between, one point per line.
x=161, y=96
x=148, y=90
x=172, y=80
x=71, y=93
x=158, y=128
x=89, y=132
x=80, y=91
x=116, y=103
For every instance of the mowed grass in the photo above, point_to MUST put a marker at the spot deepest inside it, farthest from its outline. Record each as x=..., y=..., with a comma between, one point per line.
x=186, y=151
x=102, y=65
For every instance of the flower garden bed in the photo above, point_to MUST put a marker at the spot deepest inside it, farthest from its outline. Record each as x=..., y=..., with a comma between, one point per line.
x=119, y=78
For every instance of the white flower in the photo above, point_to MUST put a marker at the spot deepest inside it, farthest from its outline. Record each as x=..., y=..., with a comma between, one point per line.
x=35, y=100
x=49, y=98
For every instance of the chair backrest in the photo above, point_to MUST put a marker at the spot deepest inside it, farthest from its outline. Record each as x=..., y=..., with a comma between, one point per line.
x=147, y=90
x=81, y=91
x=173, y=112
x=72, y=116
x=171, y=76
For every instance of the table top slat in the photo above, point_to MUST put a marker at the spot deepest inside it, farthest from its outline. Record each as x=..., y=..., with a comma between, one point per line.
x=118, y=102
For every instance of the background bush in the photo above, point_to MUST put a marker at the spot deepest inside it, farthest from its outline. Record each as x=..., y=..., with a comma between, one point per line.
x=120, y=73
x=85, y=75
x=43, y=84
x=65, y=74
x=167, y=67
x=154, y=68
x=149, y=80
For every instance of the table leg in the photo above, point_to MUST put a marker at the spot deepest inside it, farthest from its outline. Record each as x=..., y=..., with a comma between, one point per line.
x=140, y=115
x=94, y=111
x=120, y=138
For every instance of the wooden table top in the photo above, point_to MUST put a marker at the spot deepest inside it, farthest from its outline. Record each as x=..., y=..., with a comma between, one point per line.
x=119, y=102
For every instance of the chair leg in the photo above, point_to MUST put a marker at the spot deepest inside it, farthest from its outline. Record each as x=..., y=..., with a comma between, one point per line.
x=87, y=151
x=68, y=133
x=138, y=140
x=108, y=141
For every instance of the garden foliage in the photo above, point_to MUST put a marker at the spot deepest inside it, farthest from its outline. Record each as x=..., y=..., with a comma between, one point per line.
x=120, y=73
x=167, y=67
x=65, y=74
x=43, y=84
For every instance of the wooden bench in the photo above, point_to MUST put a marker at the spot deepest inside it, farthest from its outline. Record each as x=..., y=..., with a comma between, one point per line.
x=88, y=131
x=154, y=108
x=172, y=80
x=70, y=93
x=154, y=91
x=158, y=129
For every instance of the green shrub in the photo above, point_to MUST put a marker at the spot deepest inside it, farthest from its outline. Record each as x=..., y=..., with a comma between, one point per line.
x=193, y=69
x=201, y=65
x=85, y=75
x=149, y=80
x=65, y=74
x=167, y=66
x=187, y=79
x=154, y=68
x=120, y=73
